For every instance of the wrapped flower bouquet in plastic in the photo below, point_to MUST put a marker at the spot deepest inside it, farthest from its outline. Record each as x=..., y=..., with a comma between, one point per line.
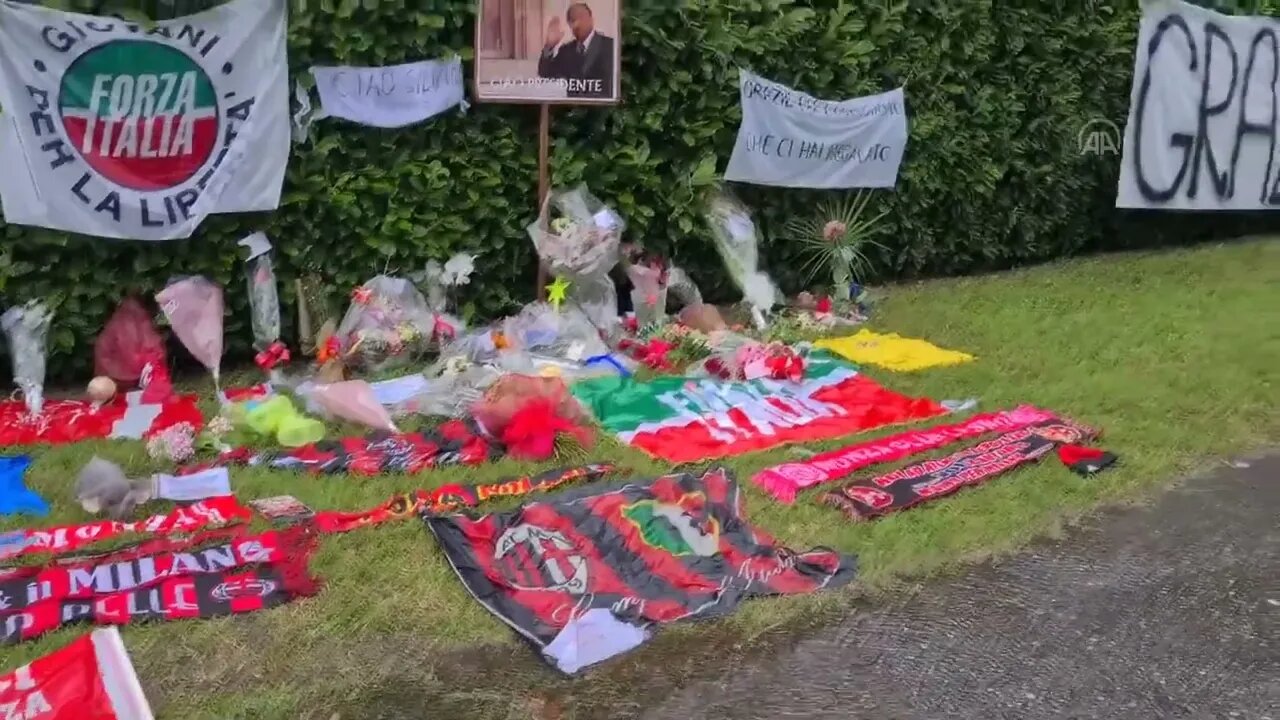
x=738, y=243
x=579, y=242
x=387, y=325
x=193, y=307
x=27, y=328
x=131, y=352
x=264, y=303
x=649, y=280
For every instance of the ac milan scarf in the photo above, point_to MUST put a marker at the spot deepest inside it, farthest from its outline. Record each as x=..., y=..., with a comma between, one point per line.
x=190, y=596
x=648, y=551
x=456, y=442
x=449, y=498
x=784, y=481
x=914, y=484
x=63, y=539
x=90, y=678
x=146, y=566
x=685, y=420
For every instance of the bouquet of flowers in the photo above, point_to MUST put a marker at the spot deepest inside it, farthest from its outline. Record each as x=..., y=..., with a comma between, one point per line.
x=738, y=244
x=441, y=279
x=752, y=361
x=264, y=303
x=388, y=324
x=649, y=275
x=581, y=245
x=27, y=328
x=193, y=306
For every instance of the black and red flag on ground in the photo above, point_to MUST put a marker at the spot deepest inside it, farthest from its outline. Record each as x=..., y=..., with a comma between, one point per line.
x=456, y=442
x=649, y=551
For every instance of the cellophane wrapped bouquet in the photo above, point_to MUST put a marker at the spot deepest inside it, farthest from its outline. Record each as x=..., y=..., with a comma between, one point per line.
x=387, y=325
x=579, y=241
x=264, y=304
x=739, y=245
x=649, y=276
x=27, y=328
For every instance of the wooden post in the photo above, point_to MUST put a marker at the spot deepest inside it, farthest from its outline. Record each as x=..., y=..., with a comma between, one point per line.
x=544, y=182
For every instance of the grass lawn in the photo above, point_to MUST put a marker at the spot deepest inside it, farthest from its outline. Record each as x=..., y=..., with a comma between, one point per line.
x=1176, y=355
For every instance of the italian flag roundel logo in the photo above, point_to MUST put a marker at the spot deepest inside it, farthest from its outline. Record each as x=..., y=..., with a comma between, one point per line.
x=142, y=114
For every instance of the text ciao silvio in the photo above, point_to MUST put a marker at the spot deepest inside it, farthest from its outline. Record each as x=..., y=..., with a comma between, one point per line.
x=1224, y=119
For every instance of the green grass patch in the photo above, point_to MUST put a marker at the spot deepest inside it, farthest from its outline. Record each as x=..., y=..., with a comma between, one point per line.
x=1175, y=355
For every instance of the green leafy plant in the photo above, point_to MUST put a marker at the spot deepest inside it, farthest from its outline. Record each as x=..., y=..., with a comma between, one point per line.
x=993, y=175
x=837, y=238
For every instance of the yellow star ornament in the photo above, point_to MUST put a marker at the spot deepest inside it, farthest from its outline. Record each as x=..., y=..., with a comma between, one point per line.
x=556, y=291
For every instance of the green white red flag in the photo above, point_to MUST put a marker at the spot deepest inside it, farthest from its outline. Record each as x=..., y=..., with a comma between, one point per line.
x=691, y=419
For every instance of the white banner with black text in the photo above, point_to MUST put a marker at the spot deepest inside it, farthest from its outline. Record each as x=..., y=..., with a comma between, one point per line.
x=792, y=139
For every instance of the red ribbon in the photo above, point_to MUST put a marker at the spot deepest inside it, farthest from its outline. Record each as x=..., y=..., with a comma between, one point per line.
x=276, y=354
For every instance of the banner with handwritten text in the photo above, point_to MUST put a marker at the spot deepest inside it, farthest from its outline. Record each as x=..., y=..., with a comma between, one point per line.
x=791, y=139
x=390, y=97
x=1203, y=119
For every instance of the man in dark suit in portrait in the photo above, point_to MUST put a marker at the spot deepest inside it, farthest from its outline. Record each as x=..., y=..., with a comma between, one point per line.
x=585, y=61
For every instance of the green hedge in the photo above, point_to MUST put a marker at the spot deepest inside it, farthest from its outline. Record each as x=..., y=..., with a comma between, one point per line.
x=993, y=176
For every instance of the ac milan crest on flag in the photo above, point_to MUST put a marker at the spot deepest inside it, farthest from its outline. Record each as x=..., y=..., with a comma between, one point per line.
x=914, y=484
x=649, y=552
x=229, y=592
x=785, y=480
x=90, y=678
x=686, y=420
x=123, y=130
x=63, y=539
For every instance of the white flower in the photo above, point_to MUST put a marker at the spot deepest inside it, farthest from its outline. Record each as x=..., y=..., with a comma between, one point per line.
x=459, y=268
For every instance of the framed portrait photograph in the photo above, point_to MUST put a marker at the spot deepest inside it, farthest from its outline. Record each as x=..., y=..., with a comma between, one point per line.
x=566, y=52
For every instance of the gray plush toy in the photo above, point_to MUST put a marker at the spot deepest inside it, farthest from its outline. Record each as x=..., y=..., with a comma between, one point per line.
x=103, y=487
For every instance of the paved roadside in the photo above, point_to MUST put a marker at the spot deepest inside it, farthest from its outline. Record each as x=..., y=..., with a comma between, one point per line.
x=1169, y=611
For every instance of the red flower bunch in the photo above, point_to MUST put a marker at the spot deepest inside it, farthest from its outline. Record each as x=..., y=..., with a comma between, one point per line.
x=823, y=306
x=785, y=364
x=653, y=354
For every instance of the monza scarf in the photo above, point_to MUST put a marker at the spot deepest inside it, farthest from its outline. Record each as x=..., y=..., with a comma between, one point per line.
x=62, y=539
x=642, y=553
x=89, y=678
x=227, y=592
x=914, y=484
x=687, y=420
x=784, y=481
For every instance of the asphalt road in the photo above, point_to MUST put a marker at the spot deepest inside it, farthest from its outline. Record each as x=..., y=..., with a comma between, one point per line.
x=1169, y=611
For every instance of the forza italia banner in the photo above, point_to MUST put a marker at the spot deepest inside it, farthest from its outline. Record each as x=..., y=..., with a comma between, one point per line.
x=90, y=678
x=117, y=130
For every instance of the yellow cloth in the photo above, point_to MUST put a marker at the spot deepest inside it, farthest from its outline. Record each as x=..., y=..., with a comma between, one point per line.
x=892, y=351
